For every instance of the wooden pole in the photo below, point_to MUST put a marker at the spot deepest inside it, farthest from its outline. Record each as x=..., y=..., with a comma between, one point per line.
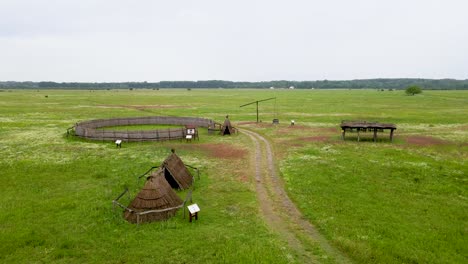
x=257, y=111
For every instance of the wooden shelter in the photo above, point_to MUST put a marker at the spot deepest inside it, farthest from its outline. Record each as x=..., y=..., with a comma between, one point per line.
x=227, y=128
x=176, y=173
x=364, y=126
x=156, y=201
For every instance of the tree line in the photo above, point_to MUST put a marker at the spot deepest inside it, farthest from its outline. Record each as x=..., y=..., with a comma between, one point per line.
x=427, y=84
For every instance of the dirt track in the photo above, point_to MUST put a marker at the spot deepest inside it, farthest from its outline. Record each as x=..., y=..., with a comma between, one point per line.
x=282, y=215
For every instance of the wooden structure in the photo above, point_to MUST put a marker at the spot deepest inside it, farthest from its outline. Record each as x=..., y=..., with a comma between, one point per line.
x=215, y=128
x=256, y=102
x=156, y=201
x=176, y=173
x=95, y=129
x=191, y=132
x=364, y=126
x=227, y=128
x=193, y=210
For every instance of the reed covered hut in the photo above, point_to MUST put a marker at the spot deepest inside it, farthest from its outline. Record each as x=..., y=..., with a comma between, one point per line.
x=227, y=128
x=176, y=173
x=156, y=201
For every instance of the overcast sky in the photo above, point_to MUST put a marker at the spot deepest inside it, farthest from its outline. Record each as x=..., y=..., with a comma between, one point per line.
x=238, y=40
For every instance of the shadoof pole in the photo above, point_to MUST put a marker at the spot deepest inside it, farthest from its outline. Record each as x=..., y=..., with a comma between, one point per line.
x=256, y=102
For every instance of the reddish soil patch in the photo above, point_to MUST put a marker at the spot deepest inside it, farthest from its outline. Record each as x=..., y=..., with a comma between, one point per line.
x=425, y=141
x=243, y=178
x=246, y=123
x=328, y=129
x=223, y=151
x=325, y=130
x=255, y=124
x=315, y=139
x=285, y=131
x=298, y=127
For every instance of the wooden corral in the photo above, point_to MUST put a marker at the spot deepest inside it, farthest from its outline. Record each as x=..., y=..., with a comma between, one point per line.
x=90, y=129
x=365, y=126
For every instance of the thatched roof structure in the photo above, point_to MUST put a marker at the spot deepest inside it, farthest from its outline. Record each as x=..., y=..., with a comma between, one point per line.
x=227, y=128
x=157, y=194
x=175, y=172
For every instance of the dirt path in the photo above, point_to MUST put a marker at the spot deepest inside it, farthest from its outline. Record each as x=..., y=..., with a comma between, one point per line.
x=282, y=215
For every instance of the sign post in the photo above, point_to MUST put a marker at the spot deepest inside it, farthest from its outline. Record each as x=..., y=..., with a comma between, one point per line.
x=193, y=211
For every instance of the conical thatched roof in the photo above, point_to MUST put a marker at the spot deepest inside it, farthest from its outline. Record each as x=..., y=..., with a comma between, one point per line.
x=227, y=129
x=177, y=175
x=157, y=194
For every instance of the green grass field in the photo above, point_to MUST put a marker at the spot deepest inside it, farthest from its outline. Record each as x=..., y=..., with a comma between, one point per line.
x=400, y=202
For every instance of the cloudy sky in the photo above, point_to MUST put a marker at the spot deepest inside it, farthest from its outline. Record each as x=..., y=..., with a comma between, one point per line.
x=239, y=40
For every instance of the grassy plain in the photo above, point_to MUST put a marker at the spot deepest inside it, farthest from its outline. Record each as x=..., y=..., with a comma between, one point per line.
x=401, y=202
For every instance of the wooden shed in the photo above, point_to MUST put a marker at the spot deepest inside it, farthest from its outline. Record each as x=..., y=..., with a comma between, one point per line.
x=156, y=201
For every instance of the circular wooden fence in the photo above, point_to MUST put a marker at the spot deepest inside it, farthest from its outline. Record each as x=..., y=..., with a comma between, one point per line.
x=94, y=129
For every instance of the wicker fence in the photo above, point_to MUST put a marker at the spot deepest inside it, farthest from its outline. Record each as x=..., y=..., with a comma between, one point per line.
x=93, y=129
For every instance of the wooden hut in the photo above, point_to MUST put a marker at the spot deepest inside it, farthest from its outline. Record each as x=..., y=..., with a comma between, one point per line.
x=175, y=172
x=227, y=128
x=156, y=201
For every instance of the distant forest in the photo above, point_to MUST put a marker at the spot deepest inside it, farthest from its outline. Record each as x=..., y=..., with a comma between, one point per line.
x=432, y=84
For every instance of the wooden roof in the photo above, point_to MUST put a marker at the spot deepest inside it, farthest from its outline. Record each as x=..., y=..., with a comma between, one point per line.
x=366, y=124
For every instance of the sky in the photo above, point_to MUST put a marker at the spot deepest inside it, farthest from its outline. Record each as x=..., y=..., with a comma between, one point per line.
x=238, y=40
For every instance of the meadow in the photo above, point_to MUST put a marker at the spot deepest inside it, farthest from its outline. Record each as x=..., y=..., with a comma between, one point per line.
x=377, y=202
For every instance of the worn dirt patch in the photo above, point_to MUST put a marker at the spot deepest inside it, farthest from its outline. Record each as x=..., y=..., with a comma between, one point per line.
x=223, y=151
x=243, y=178
x=425, y=141
x=246, y=123
x=315, y=139
x=324, y=130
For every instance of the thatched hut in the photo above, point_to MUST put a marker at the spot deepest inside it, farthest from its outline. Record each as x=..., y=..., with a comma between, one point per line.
x=157, y=198
x=227, y=128
x=175, y=172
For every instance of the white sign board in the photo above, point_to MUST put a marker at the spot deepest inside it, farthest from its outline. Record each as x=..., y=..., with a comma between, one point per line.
x=193, y=208
x=191, y=131
x=118, y=141
x=188, y=136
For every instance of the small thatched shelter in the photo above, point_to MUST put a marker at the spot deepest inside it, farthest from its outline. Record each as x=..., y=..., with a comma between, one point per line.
x=175, y=172
x=227, y=128
x=157, y=195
